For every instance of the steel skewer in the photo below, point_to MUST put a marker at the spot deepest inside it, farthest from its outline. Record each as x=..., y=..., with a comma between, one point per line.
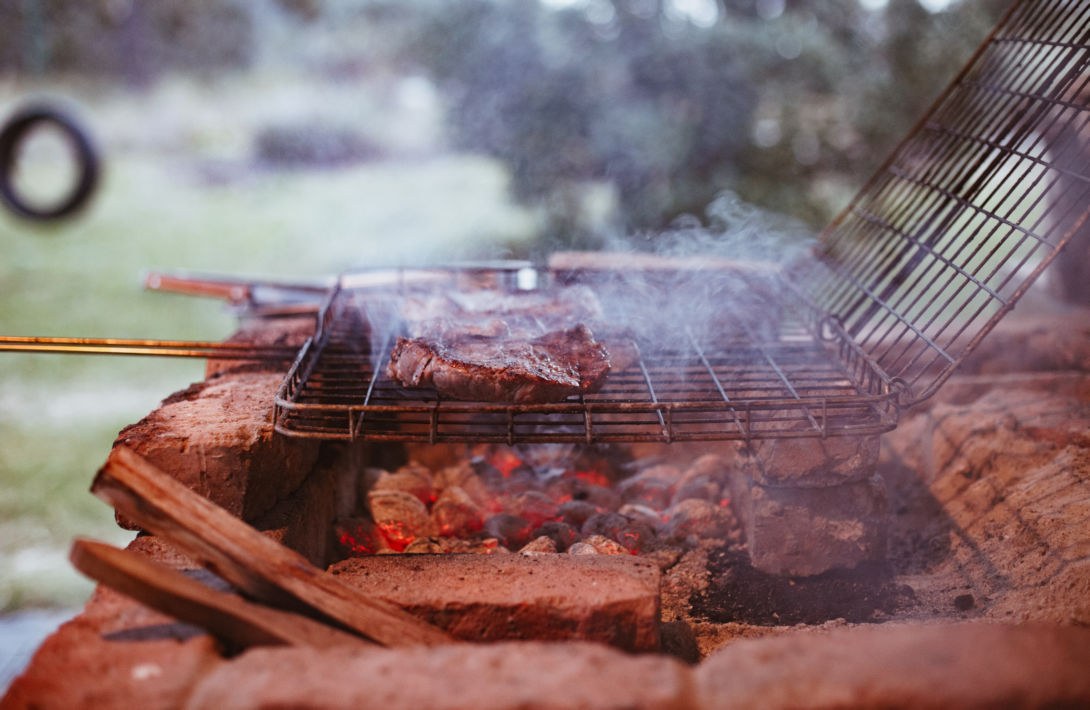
x=160, y=348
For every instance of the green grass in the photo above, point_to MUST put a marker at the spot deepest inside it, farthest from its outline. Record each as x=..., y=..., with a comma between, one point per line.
x=157, y=208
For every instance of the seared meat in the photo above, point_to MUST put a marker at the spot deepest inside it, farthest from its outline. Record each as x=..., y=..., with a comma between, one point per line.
x=547, y=368
x=493, y=314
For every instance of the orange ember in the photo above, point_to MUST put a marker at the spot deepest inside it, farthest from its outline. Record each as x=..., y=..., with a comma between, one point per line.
x=506, y=461
x=356, y=540
x=397, y=534
x=593, y=477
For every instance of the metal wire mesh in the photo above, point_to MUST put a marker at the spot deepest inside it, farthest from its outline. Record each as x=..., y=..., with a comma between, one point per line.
x=738, y=384
x=972, y=206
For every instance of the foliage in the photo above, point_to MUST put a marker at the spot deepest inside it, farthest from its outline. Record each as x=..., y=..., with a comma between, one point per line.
x=134, y=40
x=789, y=104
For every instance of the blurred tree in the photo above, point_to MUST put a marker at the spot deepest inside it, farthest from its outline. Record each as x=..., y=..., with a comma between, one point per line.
x=134, y=40
x=790, y=103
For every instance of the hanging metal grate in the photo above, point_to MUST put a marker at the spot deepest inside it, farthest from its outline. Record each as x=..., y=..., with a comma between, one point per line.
x=971, y=207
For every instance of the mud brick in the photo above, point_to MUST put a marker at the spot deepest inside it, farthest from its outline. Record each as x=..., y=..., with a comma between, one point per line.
x=605, y=598
x=217, y=438
x=811, y=461
x=501, y=676
x=963, y=665
x=807, y=531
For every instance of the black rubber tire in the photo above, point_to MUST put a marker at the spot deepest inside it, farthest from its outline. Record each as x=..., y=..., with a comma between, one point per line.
x=18, y=128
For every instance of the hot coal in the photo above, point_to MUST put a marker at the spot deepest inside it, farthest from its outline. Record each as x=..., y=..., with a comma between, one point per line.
x=357, y=537
x=534, y=506
x=604, y=545
x=699, y=487
x=607, y=524
x=576, y=512
x=400, y=517
x=642, y=514
x=512, y=531
x=562, y=534
x=495, y=501
x=414, y=480
x=697, y=517
x=649, y=491
x=636, y=537
x=539, y=546
x=456, y=514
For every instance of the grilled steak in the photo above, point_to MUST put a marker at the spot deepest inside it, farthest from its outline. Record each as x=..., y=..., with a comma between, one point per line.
x=488, y=313
x=462, y=365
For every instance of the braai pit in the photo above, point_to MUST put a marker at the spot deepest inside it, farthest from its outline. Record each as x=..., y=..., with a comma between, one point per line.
x=728, y=483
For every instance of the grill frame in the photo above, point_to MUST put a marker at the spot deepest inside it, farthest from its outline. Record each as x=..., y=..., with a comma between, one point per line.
x=803, y=378
x=980, y=197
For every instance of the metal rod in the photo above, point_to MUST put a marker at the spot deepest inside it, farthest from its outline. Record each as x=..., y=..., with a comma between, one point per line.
x=160, y=348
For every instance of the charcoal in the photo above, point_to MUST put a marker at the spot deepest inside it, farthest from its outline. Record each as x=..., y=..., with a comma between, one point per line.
x=477, y=546
x=427, y=545
x=700, y=487
x=607, y=524
x=605, y=498
x=511, y=530
x=646, y=490
x=604, y=545
x=357, y=537
x=399, y=516
x=713, y=466
x=456, y=514
x=464, y=477
x=576, y=512
x=636, y=537
x=487, y=472
x=562, y=534
x=534, y=506
x=697, y=517
x=538, y=546
x=414, y=480
x=642, y=514
x=583, y=548
x=666, y=472
x=520, y=479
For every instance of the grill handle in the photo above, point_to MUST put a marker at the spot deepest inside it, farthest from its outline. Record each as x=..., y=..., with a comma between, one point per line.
x=157, y=348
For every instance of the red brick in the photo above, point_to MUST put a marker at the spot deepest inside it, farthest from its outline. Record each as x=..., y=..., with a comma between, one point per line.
x=612, y=599
x=965, y=665
x=502, y=676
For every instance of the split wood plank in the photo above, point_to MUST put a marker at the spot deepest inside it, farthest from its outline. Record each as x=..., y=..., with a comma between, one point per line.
x=238, y=623
x=254, y=563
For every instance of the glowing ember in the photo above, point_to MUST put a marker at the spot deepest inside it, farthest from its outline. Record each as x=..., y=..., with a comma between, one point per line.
x=506, y=461
x=500, y=499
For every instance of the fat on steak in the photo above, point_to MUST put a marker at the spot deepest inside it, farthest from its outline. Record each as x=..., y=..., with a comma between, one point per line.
x=467, y=366
x=494, y=314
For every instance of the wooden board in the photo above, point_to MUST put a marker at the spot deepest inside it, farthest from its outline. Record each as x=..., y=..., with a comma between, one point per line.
x=235, y=621
x=254, y=563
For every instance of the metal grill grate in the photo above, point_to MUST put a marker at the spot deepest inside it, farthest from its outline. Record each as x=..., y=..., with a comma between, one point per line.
x=973, y=204
x=741, y=384
x=940, y=244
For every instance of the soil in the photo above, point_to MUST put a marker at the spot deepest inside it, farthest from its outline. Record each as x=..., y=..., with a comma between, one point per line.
x=989, y=499
x=739, y=593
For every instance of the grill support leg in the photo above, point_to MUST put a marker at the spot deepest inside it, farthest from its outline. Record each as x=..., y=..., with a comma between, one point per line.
x=812, y=505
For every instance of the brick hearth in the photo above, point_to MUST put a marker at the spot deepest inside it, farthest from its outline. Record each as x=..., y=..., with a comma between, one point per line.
x=991, y=551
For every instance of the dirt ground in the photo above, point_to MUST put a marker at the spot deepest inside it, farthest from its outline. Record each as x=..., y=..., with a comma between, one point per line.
x=989, y=497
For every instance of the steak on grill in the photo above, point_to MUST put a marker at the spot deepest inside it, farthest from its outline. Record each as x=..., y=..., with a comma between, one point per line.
x=465, y=366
